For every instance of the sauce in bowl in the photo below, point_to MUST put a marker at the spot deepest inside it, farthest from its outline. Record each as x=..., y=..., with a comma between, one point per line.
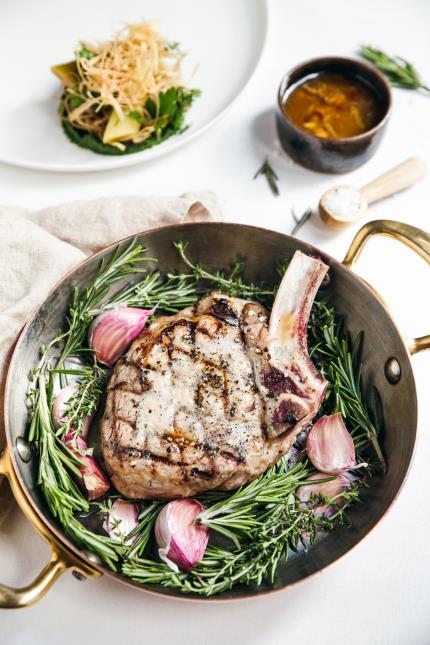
x=333, y=106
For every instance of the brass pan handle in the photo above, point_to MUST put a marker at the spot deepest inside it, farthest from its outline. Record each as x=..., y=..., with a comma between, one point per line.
x=414, y=238
x=61, y=558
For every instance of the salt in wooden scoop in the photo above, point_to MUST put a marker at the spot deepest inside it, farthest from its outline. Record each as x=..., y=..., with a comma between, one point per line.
x=343, y=205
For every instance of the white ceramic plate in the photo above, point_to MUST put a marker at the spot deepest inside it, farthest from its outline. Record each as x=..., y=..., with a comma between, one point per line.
x=224, y=40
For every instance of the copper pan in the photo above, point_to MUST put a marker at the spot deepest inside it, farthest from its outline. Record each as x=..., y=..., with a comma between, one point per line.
x=387, y=364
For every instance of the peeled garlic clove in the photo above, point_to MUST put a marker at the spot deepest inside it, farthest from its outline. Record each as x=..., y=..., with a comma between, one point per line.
x=330, y=446
x=332, y=489
x=122, y=519
x=93, y=481
x=59, y=408
x=112, y=332
x=182, y=541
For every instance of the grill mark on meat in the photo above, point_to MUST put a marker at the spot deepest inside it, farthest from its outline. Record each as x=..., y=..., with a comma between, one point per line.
x=193, y=338
x=193, y=354
x=183, y=322
x=131, y=451
x=222, y=309
x=119, y=386
x=202, y=474
x=210, y=449
x=263, y=424
x=228, y=455
x=144, y=381
x=123, y=386
x=198, y=398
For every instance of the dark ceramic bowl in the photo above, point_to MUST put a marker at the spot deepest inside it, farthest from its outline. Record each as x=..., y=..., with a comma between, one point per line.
x=332, y=155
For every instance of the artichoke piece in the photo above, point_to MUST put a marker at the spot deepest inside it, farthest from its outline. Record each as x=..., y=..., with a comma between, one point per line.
x=67, y=73
x=120, y=129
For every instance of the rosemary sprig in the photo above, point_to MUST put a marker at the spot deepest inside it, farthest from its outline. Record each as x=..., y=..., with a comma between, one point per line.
x=232, y=284
x=57, y=465
x=299, y=221
x=109, y=550
x=122, y=263
x=271, y=176
x=170, y=295
x=280, y=528
x=237, y=511
x=56, y=462
x=399, y=71
x=338, y=359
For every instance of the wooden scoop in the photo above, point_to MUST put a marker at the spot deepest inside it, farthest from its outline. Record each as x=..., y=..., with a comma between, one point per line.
x=343, y=205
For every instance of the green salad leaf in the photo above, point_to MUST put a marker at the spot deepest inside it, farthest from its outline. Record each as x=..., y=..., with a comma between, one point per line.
x=171, y=110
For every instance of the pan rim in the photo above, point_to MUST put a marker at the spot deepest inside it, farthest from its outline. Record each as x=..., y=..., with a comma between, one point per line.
x=68, y=544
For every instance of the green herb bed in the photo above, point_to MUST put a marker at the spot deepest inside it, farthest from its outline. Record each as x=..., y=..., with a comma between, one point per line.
x=169, y=118
x=252, y=529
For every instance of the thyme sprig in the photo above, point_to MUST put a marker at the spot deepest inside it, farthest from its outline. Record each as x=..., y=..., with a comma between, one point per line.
x=399, y=71
x=231, y=283
x=238, y=513
x=83, y=403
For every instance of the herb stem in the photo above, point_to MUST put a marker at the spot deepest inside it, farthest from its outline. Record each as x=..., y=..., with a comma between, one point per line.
x=299, y=221
x=399, y=71
x=272, y=178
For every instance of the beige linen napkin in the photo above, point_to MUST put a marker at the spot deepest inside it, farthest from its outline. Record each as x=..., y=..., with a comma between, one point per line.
x=38, y=247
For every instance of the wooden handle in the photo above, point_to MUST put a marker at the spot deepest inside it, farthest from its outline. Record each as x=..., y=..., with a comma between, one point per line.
x=398, y=178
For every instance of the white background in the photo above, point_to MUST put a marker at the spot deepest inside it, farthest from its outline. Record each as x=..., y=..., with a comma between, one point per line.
x=380, y=593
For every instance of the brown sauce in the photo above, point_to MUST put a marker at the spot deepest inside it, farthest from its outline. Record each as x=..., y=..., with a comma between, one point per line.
x=333, y=106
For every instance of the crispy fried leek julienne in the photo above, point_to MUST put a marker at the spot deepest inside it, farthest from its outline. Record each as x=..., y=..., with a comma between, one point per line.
x=129, y=89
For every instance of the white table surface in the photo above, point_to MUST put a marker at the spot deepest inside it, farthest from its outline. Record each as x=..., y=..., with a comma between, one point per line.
x=380, y=593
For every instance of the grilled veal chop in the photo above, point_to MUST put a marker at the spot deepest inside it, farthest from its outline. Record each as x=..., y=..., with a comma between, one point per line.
x=213, y=396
